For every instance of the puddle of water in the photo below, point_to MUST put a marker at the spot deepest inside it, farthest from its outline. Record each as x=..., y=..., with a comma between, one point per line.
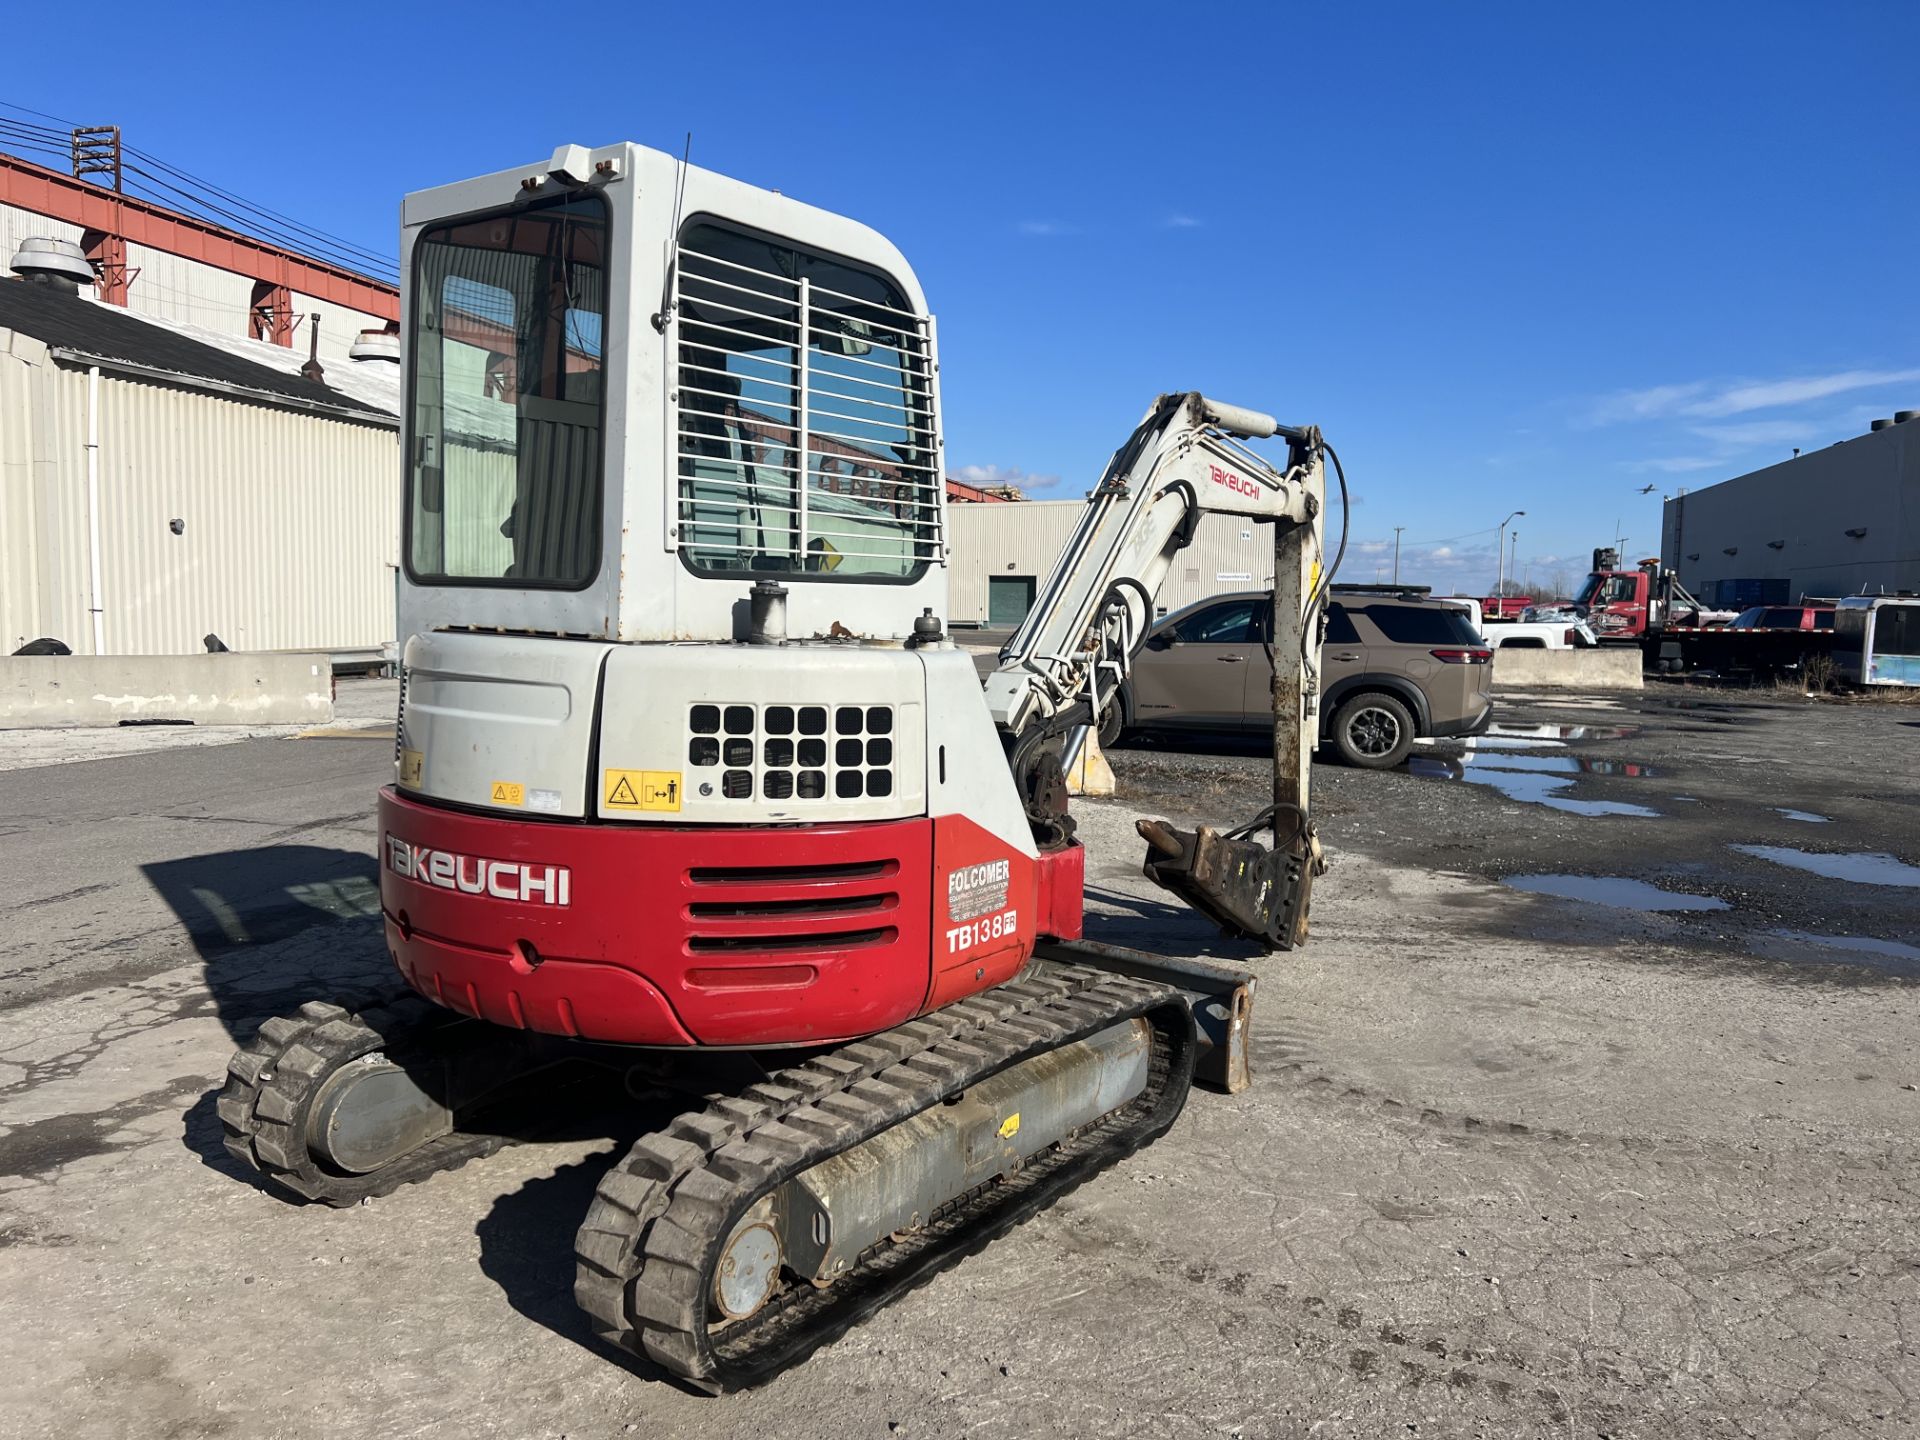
x=1632, y=769
x=1614, y=890
x=1513, y=742
x=1565, y=732
x=1526, y=786
x=1861, y=944
x=1806, y=817
x=1859, y=867
x=1506, y=760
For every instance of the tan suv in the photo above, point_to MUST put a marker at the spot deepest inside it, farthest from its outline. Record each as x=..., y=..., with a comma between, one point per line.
x=1394, y=667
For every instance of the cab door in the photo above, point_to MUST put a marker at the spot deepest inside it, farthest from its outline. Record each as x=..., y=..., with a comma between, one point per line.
x=1194, y=672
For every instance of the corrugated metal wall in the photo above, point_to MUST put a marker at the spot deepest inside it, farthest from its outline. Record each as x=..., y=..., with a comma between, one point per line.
x=17, y=225
x=1022, y=538
x=288, y=534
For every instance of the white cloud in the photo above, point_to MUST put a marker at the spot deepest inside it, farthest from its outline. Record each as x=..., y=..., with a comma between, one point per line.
x=1644, y=404
x=1769, y=394
x=987, y=476
x=1682, y=464
x=1181, y=222
x=1044, y=229
x=1712, y=400
x=1756, y=432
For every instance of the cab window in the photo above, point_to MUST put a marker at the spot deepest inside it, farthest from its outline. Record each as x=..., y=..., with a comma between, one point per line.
x=1340, y=629
x=1229, y=624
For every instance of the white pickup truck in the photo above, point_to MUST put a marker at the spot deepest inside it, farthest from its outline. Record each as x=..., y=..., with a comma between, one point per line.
x=1567, y=634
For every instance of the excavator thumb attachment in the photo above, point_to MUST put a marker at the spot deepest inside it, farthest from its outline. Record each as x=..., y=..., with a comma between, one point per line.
x=1242, y=886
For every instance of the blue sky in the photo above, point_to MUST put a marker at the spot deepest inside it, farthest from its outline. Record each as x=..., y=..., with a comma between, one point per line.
x=1507, y=256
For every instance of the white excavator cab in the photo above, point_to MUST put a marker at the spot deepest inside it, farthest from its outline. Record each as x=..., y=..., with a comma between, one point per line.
x=636, y=388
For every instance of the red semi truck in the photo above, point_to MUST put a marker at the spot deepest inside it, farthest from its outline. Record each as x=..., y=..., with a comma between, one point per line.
x=1649, y=607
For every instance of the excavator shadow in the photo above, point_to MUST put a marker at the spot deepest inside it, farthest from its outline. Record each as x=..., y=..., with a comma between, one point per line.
x=1114, y=917
x=278, y=925
x=526, y=1240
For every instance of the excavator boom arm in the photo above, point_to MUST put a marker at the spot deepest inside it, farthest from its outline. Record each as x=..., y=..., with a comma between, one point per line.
x=1066, y=663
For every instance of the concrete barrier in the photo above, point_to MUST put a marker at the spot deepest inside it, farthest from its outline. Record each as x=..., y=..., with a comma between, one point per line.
x=231, y=689
x=1605, y=667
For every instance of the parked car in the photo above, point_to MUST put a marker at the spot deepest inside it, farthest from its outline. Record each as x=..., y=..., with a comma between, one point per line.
x=1784, y=617
x=1393, y=669
x=1526, y=633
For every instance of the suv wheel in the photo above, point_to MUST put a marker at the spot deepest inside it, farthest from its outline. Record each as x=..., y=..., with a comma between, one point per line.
x=1373, y=731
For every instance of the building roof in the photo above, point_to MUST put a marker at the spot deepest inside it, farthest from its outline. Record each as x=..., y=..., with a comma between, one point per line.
x=88, y=330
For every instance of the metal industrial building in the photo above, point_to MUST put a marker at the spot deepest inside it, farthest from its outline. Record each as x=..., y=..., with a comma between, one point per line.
x=1002, y=552
x=1840, y=521
x=156, y=488
x=174, y=266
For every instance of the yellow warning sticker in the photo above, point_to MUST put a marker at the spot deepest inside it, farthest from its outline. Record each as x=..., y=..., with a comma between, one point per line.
x=412, y=764
x=509, y=792
x=1010, y=1126
x=641, y=790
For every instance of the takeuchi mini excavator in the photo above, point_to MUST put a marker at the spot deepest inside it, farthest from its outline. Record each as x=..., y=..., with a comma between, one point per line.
x=692, y=786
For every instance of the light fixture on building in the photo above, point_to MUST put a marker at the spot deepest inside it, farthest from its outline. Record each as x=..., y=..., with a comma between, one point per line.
x=375, y=345
x=1731, y=550
x=1776, y=544
x=56, y=262
x=1694, y=556
x=1858, y=532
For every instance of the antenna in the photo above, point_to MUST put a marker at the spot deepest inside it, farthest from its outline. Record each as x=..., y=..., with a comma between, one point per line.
x=665, y=312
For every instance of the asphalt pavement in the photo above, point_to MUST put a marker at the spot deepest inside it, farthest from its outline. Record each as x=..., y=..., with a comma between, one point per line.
x=1513, y=1164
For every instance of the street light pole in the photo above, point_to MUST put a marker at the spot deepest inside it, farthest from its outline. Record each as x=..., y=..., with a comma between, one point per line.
x=1396, y=554
x=1500, y=553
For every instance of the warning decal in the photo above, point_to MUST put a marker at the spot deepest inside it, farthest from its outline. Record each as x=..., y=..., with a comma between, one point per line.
x=641, y=790
x=412, y=762
x=509, y=792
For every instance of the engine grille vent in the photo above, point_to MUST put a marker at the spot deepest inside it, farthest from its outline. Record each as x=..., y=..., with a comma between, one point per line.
x=791, y=752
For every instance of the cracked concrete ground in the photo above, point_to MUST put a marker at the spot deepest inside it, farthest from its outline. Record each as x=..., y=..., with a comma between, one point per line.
x=1511, y=1165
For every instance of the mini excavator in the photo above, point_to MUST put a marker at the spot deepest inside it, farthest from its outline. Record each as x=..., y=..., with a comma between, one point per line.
x=692, y=784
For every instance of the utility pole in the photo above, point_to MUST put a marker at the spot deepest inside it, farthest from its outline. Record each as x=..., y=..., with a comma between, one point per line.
x=1396, y=554
x=1500, y=553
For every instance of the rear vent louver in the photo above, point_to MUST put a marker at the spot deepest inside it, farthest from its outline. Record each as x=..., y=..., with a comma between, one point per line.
x=791, y=752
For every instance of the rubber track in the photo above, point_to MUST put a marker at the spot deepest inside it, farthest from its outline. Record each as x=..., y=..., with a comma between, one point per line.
x=272, y=1083
x=647, y=1247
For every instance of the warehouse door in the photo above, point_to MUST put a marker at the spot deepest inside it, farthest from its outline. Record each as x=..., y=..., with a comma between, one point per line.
x=1009, y=597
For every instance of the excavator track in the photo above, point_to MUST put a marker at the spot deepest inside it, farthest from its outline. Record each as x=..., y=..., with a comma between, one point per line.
x=273, y=1084
x=650, y=1243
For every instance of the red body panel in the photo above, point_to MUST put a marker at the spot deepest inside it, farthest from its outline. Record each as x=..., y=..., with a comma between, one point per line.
x=682, y=935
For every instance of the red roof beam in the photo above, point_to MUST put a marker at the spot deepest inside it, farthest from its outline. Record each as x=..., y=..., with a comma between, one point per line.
x=48, y=192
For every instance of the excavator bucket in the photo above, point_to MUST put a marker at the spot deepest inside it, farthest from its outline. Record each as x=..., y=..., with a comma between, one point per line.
x=1242, y=886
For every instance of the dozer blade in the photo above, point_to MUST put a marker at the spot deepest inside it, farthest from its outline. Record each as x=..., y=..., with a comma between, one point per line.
x=1242, y=886
x=736, y=1241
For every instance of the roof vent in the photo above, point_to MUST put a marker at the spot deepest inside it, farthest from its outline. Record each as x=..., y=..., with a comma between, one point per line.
x=1900, y=417
x=59, y=261
x=375, y=345
x=1881, y=425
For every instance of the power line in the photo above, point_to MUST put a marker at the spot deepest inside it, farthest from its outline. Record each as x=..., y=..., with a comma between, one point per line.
x=203, y=197
x=152, y=184
x=347, y=246
x=29, y=110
